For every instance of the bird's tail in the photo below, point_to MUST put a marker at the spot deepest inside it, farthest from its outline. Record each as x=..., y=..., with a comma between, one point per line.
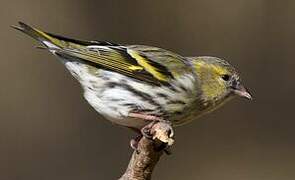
x=45, y=38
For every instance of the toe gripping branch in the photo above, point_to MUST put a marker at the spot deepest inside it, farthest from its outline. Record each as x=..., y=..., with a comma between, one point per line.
x=163, y=132
x=157, y=136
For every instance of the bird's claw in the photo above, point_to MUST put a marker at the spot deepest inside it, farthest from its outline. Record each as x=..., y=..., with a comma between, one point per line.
x=146, y=130
x=157, y=129
x=163, y=132
x=160, y=130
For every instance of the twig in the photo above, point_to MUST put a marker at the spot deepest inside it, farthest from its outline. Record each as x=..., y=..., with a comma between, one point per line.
x=148, y=153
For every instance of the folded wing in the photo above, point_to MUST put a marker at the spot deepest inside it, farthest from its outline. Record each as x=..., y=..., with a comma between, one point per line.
x=145, y=63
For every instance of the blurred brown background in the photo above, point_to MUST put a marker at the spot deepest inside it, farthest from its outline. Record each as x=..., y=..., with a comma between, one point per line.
x=49, y=132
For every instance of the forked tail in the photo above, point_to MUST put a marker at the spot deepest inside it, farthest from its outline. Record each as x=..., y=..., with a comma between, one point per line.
x=45, y=38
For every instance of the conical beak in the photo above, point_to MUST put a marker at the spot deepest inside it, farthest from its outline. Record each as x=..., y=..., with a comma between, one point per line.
x=241, y=91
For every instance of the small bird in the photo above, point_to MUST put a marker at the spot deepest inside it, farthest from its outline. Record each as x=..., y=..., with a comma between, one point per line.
x=134, y=85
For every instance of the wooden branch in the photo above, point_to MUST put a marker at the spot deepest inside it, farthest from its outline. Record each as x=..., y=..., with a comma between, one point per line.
x=148, y=153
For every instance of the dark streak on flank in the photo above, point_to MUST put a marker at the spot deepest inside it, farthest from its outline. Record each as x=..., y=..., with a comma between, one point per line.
x=136, y=108
x=144, y=96
x=171, y=87
x=147, y=110
x=183, y=88
x=162, y=95
x=112, y=84
x=176, y=102
x=115, y=99
x=105, y=78
x=177, y=112
x=131, y=105
x=90, y=88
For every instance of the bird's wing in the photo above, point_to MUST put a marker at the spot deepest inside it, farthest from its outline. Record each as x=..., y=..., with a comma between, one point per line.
x=149, y=64
x=167, y=63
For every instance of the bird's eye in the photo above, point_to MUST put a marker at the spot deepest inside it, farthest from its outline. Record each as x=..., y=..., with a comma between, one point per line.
x=225, y=77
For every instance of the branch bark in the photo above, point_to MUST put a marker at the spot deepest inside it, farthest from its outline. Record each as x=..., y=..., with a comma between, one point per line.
x=148, y=153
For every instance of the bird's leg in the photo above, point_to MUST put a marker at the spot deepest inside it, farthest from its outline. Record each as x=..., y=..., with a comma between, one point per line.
x=146, y=117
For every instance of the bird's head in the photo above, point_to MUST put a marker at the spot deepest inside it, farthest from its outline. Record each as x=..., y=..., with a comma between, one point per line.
x=218, y=79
